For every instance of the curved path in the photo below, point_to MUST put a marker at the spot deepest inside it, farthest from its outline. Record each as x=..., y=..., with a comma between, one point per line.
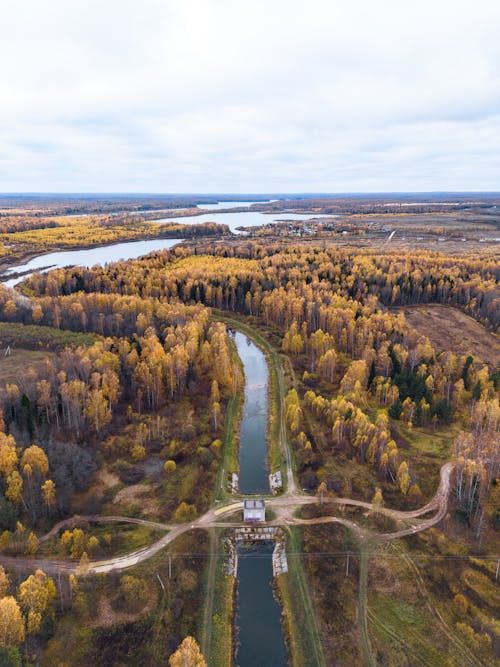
x=284, y=506
x=96, y=518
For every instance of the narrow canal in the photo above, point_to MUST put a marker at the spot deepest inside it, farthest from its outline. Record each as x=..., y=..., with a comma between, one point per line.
x=261, y=641
x=253, y=430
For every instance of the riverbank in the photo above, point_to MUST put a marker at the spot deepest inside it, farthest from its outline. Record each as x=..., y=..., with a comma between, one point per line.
x=229, y=464
x=218, y=644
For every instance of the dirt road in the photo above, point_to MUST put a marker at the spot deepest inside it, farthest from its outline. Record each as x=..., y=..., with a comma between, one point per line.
x=284, y=506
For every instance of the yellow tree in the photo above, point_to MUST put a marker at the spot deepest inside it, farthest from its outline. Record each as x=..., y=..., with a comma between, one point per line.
x=8, y=455
x=4, y=582
x=97, y=409
x=377, y=500
x=37, y=313
x=188, y=654
x=36, y=458
x=49, y=493
x=322, y=488
x=327, y=364
x=32, y=544
x=403, y=477
x=35, y=596
x=11, y=623
x=14, y=488
x=169, y=466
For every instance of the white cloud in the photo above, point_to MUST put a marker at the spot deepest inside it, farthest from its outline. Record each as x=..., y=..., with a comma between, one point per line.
x=217, y=95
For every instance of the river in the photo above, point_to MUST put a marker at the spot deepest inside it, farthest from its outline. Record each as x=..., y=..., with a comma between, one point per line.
x=132, y=249
x=261, y=641
x=89, y=257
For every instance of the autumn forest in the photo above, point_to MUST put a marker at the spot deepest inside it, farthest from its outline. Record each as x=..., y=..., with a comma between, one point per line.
x=121, y=395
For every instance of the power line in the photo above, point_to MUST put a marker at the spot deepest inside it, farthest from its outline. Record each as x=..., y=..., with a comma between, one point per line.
x=340, y=554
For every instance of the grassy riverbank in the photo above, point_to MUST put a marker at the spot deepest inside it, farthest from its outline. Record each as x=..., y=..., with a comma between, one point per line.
x=302, y=633
x=220, y=646
x=230, y=440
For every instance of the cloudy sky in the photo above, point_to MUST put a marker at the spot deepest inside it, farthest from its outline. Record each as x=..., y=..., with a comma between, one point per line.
x=257, y=96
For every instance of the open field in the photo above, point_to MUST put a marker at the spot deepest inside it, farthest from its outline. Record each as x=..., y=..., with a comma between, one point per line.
x=33, y=337
x=450, y=329
x=13, y=367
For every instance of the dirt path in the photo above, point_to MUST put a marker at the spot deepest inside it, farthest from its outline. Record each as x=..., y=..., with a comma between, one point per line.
x=78, y=519
x=209, y=597
x=285, y=507
x=362, y=610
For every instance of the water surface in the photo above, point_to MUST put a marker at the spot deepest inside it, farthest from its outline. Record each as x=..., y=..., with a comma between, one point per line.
x=232, y=204
x=253, y=429
x=241, y=219
x=260, y=635
x=261, y=641
x=89, y=257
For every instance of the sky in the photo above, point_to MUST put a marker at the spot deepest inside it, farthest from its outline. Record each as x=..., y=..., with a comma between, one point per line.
x=212, y=96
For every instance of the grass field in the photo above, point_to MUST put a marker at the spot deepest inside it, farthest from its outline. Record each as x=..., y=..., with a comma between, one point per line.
x=13, y=367
x=449, y=329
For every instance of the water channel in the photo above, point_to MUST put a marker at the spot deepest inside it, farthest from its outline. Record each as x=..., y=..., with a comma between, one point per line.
x=253, y=430
x=261, y=641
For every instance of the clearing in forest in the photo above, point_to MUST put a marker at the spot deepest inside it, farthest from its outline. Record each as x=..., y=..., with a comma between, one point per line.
x=450, y=329
x=14, y=365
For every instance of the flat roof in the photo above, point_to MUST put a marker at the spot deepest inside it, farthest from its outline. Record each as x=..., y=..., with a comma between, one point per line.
x=254, y=504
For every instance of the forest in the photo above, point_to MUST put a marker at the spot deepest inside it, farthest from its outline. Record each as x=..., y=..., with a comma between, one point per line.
x=126, y=415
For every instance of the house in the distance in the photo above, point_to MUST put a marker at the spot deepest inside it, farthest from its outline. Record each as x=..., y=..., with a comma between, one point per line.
x=254, y=509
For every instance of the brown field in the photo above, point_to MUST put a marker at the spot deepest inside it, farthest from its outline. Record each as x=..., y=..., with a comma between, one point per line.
x=13, y=367
x=449, y=329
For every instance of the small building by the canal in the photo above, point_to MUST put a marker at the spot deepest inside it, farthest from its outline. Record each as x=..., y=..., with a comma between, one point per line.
x=254, y=509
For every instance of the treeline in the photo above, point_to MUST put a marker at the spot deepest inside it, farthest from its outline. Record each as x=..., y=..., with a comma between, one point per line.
x=393, y=278
x=10, y=225
x=355, y=355
x=80, y=389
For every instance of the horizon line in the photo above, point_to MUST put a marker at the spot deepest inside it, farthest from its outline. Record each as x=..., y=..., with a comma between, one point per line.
x=281, y=193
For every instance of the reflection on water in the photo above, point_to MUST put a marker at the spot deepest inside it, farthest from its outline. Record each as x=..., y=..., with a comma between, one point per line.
x=260, y=635
x=261, y=641
x=253, y=429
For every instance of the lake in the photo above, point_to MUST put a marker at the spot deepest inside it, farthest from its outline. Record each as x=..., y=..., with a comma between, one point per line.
x=241, y=219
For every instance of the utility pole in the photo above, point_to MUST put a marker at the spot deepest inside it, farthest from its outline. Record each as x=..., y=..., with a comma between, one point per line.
x=161, y=582
x=347, y=566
